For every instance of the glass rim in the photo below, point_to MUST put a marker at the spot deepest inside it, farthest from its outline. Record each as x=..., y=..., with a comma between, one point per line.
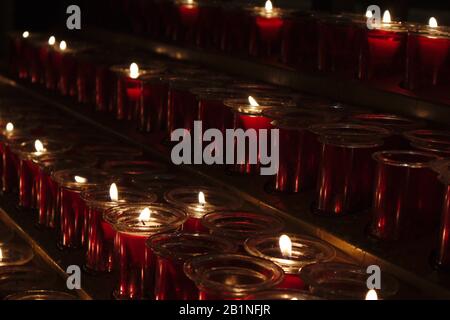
x=283, y=294
x=95, y=198
x=428, y=136
x=21, y=254
x=383, y=157
x=242, y=105
x=60, y=178
x=27, y=154
x=441, y=32
x=320, y=129
x=351, y=142
x=41, y=295
x=402, y=123
x=145, y=69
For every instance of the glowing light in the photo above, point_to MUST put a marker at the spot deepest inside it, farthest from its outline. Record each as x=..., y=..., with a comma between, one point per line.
x=39, y=146
x=371, y=295
x=145, y=216
x=268, y=6
x=62, y=45
x=114, y=192
x=285, y=246
x=387, y=17
x=433, y=22
x=52, y=41
x=369, y=14
x=134, y=71
x=79, y=179
x=9, y=127
x=25, y=34
x=253, y=102
x=201, y=198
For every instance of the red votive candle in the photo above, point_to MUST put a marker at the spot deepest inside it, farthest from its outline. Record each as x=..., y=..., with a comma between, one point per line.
x=291, y=252
x=100, y=244
x=395, y=123
x=71, y=183
x=238, y=226
x=428, y=51
x=402, y=208
x=383, y=52
x=199, y=201
x=248, y=115
x=172, y=251
x=188, y=15
x=345, y=178
x=232, y=277
x=134, y=224
x=344, y=281
x=27, y=153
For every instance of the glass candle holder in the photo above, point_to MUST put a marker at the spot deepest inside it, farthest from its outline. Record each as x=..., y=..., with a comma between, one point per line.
x=188, y=16
x=199, y=201
x=21, y=278
x=428, y=50
x=250, y=117
x=232, y=277
x=38, y=59
x=133, y=225
x=15, y=255
x=238, y=226
x=402, y=209
x=161, y=183
x=383, y=52
x=282, y=294
x=345, y=177
x=291, y=252
x=100, y=244
x=45, y=48
x=395, y=123
x=48, y=197
x=343, y=281
x=71, y=183
x=27, y=153
x=46, y=295
x=129, y=89
x=433, y=141
x=339, y=41
x=171, y=252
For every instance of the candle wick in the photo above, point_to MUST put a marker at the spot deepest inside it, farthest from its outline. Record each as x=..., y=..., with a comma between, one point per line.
x=143, y=223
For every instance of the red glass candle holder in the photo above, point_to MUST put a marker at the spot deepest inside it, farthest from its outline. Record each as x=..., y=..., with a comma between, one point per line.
x=238, y=226
x=100, y=243
x=171, y=252
x=402, y=209
x=383, y=52
x=199, y=201
x=339, y=41
x=395, y=123
x=71, y=183
x=136, y=263
x=129, y=89
x=248, y=117
x=343, y=281
x=28, y=172
x=296, y=254
x=345, y=178
x=433, y=141
x=38, y=59
x=188, y=17
x=428, y=50
x=232, y=277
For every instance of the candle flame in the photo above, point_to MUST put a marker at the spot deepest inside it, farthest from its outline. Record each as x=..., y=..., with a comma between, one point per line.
x=369, y=14
x=387, y=17
x=201, y=198
x=63, y=45
x=52, y=40
x=114, y=192
x=134, y=71
x=145, y=215
x=253, y=102
x=25, y=34
x=268, y=6
x=1, y=254
x=285, y=246
x=433, y=22
x=9, y=127
x=39, y=146
x=371, y=295
x=79, y=179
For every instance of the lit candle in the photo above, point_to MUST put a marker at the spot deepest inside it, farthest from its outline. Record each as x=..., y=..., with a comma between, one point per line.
x=51, y=41
x=285, y=246
x=39, y=146
x=145, y=216
x=25, y=34
x=114, y=193
x=134, y=71
x=371, y=295
x=63, y=45
x=80, y=180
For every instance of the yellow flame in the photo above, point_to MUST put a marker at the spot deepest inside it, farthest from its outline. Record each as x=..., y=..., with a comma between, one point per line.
x=285, y=246
x=52, y=40
x=371, y=295
x=63, y=45
x=25, y=34
x=9, y=127
x=369, y=14
x=134, y=71
x=39, y=146
x=79, y=179
x=387, y=17
x=114, y=192
x=201, y=198
x=145, y=215
x=433, y=22
x=268, y=6
x=253, y=102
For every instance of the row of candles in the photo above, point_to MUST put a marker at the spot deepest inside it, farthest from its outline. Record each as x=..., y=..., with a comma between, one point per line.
x=414, y=55
x=162, y=238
